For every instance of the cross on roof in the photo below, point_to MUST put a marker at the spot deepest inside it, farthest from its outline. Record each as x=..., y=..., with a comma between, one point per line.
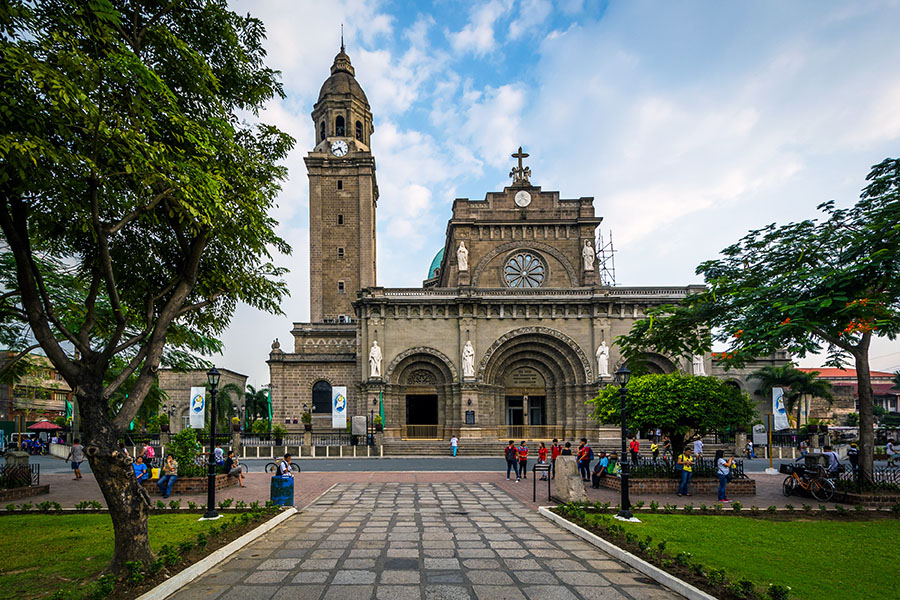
x=520, y=174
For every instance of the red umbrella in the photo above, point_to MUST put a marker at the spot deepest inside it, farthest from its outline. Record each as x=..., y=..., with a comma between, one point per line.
x=44, y=426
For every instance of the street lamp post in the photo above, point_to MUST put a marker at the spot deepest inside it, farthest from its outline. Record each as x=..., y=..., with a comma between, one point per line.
x=212, y=377
x=622, y=376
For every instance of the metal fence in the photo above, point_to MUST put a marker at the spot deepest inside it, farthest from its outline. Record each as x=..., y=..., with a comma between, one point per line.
x=882, y=479
x=330, y=439
x=665, y=468
x=19, y=476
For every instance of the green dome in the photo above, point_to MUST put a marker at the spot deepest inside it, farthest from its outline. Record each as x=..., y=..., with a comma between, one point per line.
x=435, y=264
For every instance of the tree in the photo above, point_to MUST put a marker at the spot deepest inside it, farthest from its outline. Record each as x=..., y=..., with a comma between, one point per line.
x=127, y=168
x=816, y=285
x=682, y=406
x=257, y=403
x=895, y=380
x=796, y=384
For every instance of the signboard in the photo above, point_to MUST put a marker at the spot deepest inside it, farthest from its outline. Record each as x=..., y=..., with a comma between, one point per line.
x=339, y=407
x=197, y=407
x=470, y=417
x=759, y=435
x=781, y=420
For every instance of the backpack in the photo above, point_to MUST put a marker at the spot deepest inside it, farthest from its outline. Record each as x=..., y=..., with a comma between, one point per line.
x=149, y=452
x=590, y=453
x=510, y=453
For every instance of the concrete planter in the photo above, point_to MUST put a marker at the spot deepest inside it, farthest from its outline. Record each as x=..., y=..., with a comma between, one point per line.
x=704, y=486
x=192, y=485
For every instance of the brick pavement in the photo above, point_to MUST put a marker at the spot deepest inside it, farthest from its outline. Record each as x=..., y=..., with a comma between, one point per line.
x=415, y=540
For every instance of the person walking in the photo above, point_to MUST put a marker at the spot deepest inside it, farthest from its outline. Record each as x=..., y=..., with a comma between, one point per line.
x=454, y=444
x=555, y=451
x=654, y=450
x=76, y=454
x=523, y=460
x=512, y=460
x=686, y=463
x=168, y=477
x=853, y=456
x=723, y=472
x=635, y=447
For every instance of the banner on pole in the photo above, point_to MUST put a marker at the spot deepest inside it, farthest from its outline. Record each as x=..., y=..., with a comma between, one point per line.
x=781, y=420
x=197, y=410
x=339, y=406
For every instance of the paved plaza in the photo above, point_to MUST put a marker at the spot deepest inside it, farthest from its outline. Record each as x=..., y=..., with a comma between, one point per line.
x=404, y=541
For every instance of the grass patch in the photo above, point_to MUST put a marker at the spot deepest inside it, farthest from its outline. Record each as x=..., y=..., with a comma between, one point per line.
x=43, y=553
x=818, y=559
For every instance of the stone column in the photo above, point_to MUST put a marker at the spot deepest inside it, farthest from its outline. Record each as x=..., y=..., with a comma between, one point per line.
x=740, y=442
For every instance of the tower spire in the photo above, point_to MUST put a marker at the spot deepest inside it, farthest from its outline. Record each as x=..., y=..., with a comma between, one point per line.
x=342, y=37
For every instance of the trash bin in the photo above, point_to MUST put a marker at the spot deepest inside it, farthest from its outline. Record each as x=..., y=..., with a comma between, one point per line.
x=281, y=491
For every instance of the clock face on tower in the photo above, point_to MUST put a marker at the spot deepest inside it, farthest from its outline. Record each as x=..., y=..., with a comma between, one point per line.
x=523, y=199
x=339, y=148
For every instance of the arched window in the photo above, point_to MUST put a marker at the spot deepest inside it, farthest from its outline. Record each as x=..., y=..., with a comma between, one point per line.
x=322, y=132
x=339, y=126
x=359, y=131
x=321, y=397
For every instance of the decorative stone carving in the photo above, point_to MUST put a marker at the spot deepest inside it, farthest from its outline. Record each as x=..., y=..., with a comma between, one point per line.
x=698, y=367
x=468, y=359
x=435, y=354
x=276, y=345
x=585, y=363
x=539, y=247
x=375, y=360
x=462, y=257
x=602, y=360
x=421, y=377
x=588, y=256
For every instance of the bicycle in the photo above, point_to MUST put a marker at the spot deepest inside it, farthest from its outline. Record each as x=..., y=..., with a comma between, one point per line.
x=273, y=467
x=816, y=483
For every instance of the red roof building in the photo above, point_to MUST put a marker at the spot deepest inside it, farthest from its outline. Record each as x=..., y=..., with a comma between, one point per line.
x=845, y=387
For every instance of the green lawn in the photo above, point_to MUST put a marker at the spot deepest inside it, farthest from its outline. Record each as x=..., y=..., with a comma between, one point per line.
x=819, y=560
x=42, y=553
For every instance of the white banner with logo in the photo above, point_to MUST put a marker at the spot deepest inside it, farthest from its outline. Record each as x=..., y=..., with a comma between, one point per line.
x=197, y=410
x=781, y=420
x=339, y=407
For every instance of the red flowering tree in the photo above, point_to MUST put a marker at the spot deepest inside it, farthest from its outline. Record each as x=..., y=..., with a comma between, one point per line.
x=827, y=284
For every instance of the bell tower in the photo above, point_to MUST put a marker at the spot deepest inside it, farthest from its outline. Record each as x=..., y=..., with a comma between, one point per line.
x=342, y=196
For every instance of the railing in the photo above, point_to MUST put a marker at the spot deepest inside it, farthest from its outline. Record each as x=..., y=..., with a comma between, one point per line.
x=19, y=476
x=330, y=439
x=883, y=479
x=705, y=467
x=422, y=432
x=142, y=439
x=253, y=439
x=530, y=432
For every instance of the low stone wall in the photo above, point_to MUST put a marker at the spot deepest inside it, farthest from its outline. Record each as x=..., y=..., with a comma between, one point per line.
x=192, y=485
x=706, y=486
x=23, y=492
x=868, y=499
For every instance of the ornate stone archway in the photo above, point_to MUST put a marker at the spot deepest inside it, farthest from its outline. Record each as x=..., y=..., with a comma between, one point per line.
x=524, y=245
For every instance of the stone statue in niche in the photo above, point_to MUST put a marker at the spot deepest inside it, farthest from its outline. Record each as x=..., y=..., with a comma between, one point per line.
x=375, y=360
x=602, y=360
x=587, y=254
x=462, y=257
x=698, y=368
x=468, y=359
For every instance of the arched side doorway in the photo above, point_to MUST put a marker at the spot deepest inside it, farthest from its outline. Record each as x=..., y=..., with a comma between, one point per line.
x=535, y=380
x=419, y=393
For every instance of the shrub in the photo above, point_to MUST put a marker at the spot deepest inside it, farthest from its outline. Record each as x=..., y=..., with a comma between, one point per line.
x=25, y=506
x=716, y=576
x=742, y=588
x=703, y=508
x=11, y=507
x=806, y=508
x=698, y=570
x=192, y=505
x=772, y=510
x=134, y=572
x=185, y=547
x=789, y=507
x=754, y=509
x=83, y=505
x=654, y=505
x=736, y=506
x=174, y=504
x=645, y=544
x=95, y=505
x=669, y=508
x=896, y=509
x=688, y=509
x=639, y=504
x=278, y=430
x=859, y=508
x=103, y=587
x=777, y=592
x=841, y=510
x=661, y=547
x=240, y=505
x=225, y=503
x=160, y=505
x=260, y=426
x=156, y=566
x=823, y=509
x=683, y=558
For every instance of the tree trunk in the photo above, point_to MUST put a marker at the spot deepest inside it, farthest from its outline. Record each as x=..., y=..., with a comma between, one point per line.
x=128, y=503
x=866, y=415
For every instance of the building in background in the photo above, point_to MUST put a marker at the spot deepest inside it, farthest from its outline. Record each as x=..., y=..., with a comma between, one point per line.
x=177, y=387
x=846, y=394
x=40, y=393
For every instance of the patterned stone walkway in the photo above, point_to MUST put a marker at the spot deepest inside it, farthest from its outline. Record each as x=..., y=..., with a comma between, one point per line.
x=405, y=541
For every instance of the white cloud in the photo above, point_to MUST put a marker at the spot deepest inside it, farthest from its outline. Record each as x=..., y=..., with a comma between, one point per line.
x=477, y=36
x=531, y=14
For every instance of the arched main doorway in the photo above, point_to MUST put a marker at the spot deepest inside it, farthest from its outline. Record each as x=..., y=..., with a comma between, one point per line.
x=525, y=400
x=419, y=392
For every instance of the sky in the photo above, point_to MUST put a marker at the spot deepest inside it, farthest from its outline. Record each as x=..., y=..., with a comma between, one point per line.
x=689, y=123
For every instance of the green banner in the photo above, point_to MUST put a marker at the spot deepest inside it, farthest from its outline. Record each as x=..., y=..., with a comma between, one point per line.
x=269, y=400
x=381, y=408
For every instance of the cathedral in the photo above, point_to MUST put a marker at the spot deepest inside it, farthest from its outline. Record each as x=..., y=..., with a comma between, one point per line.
x=511, y=332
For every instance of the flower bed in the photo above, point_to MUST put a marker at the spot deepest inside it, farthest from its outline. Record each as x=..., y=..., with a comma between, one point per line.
x=703, y=486
x=192, y=485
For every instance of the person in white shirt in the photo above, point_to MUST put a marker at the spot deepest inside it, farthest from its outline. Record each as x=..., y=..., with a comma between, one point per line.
x=698, y=449
x=891, y=452
x=284, y=466
x=454, y=444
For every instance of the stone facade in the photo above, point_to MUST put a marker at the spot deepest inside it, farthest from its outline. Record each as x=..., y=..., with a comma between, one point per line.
x=177, y=387
x=525, y=292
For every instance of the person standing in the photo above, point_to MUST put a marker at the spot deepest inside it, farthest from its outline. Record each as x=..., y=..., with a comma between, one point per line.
x=555, y=451
x=654, y=450
x=585, y=455
x=686, y=462
x=523, y=460
x=698, y=449
x=168, y=477
x=512, y=460
x=667, y=448
x=723, y=472
x=219, y=454
x=853, y=456
x=635, y=447
x=454, y=444
x=76, y=454
x=542, y=459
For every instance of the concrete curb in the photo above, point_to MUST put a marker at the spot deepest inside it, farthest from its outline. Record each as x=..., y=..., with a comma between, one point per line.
x=655, y=573
x=176, y=582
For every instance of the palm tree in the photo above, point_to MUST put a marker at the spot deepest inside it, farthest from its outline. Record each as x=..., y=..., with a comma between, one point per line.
x=225, y=402
x=256, y=402
x=796, y=384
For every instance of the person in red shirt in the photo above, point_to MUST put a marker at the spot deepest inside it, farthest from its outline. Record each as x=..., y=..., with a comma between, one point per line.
x=555, y=451
x=523, y=460
x=542, y=458
x=635, y=447
x=585, y=454
x=512, y=460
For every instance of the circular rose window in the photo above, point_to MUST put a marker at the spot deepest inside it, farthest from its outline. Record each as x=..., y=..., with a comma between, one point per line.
x=524, y=270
